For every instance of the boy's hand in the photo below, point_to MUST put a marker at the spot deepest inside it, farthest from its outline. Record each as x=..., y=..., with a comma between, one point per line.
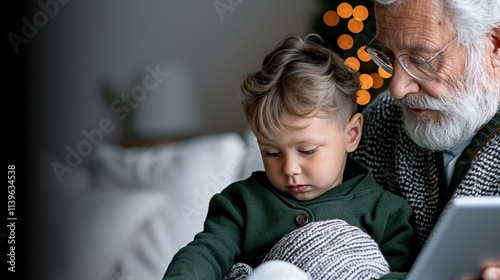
x=491, y=273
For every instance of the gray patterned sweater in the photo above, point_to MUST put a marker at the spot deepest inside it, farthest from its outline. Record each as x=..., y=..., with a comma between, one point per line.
x=417, y=174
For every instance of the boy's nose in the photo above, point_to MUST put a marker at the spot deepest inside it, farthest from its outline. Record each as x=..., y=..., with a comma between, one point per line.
x=291, y=167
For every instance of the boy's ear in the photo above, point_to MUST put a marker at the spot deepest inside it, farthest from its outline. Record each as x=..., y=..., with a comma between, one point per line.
x=495, y=41
x=353, y=131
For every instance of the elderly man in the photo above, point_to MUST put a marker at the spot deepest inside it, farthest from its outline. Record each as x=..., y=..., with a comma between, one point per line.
x=436, y=135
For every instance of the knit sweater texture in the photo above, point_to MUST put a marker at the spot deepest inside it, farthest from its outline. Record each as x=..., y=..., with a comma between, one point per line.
x=416, y=173
x=250, y=216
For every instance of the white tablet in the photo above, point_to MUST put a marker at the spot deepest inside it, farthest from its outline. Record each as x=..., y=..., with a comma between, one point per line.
x=464, y=241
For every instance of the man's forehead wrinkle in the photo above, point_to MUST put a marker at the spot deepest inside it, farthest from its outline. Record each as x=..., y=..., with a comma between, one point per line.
x=406, y=38
x=409, y=15
x=409, y=27
x=426, y=21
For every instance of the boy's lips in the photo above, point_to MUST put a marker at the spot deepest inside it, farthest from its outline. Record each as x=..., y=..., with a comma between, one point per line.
x=298, y=188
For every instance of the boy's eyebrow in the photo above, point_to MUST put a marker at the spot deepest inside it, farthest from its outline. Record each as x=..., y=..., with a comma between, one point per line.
x=264, y=142
x=273, y=143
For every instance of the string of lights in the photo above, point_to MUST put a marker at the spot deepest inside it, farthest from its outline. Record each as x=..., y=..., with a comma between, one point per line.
x=347, y=27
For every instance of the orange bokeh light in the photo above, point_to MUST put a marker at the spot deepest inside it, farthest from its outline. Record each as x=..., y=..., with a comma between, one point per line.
x=360, y=12
x=353, y=63
x=384, y=73
x=366, y=81
x=331, y=18
x=344, y=10
x=345, y=41
x=363, y=97
x=363, y=55
x=355, y=26
x=378, y=81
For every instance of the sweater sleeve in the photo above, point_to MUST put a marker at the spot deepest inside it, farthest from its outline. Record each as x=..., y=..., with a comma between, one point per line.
x=212, y=252
x=398, y=244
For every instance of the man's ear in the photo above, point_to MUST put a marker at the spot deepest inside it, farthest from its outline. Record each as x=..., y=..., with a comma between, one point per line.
x=494, y=37
x=353, y=131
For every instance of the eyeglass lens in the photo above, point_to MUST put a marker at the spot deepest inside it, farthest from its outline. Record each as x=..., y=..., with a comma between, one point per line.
x=414, y=65
x=417, y=67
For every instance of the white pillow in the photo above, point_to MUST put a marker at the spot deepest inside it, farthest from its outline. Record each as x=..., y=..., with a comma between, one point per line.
x=177, y=166
x=188, y=174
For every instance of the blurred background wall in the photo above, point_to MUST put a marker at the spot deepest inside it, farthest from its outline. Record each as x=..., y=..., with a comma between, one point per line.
x=142, y=72
x=149, y=70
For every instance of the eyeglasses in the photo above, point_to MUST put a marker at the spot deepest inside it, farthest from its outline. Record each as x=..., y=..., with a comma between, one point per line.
x=415, y=65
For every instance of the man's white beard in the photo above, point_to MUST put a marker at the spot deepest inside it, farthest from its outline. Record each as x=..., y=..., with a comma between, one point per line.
x=460, y=114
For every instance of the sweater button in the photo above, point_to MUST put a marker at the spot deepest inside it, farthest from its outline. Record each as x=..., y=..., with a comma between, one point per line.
x=302, y=219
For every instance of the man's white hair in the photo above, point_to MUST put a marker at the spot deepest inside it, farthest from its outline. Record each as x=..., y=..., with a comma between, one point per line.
x=477, y=97
x=470, y=19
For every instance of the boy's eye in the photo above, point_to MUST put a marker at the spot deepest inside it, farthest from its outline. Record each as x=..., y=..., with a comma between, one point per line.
x=308, y=152
x=272, y=154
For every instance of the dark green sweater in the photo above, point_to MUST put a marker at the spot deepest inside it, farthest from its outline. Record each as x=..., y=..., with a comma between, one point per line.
x=247, y=218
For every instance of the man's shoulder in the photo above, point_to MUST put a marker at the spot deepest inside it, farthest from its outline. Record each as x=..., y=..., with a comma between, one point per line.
x=382, y=130
x=383, y=107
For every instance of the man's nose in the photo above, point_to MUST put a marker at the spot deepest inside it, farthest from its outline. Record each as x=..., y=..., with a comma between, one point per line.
x=402, y=83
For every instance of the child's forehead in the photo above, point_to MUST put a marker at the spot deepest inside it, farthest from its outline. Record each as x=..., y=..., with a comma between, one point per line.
x=287, y=140
x=291, y=122
x=298, y=130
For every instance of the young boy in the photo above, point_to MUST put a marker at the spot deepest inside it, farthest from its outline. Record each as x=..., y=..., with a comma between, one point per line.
x=301, y=106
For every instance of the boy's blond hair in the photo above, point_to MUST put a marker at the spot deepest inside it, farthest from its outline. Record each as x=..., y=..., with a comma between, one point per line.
x=299, y=78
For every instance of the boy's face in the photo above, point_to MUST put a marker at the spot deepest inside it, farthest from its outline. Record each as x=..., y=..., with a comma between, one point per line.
x=309, y=160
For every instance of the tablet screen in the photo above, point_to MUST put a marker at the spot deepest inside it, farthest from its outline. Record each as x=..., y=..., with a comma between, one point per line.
x=464, y=241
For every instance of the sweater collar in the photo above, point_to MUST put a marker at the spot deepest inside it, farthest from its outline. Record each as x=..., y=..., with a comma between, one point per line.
x=478, y=142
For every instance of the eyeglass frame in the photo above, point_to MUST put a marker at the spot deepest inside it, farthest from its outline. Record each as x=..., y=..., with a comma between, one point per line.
x=403, y=62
